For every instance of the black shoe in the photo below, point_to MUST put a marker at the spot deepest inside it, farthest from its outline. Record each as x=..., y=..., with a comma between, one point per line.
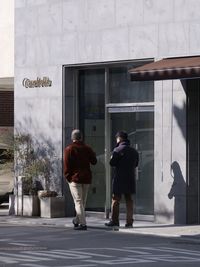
x=128, y=225
x=81, y=227
x=75, y=223
x=111, y=224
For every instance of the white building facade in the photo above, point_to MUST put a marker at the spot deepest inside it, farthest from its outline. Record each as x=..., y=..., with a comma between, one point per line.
x=72, y=69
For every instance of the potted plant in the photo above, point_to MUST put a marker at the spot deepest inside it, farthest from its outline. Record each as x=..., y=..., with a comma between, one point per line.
x=47, y=170
x=27, y=168
x=34, y=165
x=51, y=205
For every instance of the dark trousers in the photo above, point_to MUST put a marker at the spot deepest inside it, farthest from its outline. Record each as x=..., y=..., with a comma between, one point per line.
x=115, y=208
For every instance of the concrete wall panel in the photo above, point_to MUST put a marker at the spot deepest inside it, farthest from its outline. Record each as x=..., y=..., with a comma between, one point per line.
x=129, y=13
x=194, y=38
x=115, y=44
x=173, y=39
x=186, y=10
x=143, y=41
x=101, y=14
x=156, y=11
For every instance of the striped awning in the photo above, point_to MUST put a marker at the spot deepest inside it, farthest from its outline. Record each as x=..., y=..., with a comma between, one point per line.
x=169, y=68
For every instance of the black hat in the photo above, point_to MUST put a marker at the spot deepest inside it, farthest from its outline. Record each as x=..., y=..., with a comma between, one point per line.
x=123, y=135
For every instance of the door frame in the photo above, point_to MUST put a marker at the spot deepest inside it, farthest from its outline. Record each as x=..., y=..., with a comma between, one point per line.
x=119, y=108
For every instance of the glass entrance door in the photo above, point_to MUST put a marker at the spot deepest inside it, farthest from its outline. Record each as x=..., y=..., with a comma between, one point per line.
x=140, y=129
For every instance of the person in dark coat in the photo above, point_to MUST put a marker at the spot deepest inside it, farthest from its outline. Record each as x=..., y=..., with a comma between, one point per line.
x=77, y=159
x=124, y=159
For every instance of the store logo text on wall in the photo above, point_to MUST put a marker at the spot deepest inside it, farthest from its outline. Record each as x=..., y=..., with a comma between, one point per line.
x=44, y=82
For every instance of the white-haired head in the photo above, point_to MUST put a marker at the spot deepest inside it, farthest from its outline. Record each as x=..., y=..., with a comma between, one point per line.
x=76, y=135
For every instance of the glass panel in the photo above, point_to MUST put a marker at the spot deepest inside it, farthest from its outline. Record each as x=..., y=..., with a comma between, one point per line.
x=92, y=113
x=122, y=90
x=140, y=129
x=91, y=90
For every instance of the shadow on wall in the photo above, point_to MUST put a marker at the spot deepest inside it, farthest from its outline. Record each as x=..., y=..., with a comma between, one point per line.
x=178, y=191
x=47, y=150
x=178, y=113
x=178, y=188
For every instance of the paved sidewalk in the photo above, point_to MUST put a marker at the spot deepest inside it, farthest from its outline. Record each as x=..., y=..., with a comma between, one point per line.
x=191, y=232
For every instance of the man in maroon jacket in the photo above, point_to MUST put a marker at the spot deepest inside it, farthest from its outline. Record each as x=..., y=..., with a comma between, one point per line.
x=77, y=159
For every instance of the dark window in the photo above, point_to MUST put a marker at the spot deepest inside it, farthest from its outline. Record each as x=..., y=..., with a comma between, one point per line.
x=7, y=108
x=123, y=90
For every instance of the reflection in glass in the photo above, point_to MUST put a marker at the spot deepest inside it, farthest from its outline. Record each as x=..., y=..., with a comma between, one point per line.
x=140, y=129
x=139, y=125
x=122, y=90
x=92, y=113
